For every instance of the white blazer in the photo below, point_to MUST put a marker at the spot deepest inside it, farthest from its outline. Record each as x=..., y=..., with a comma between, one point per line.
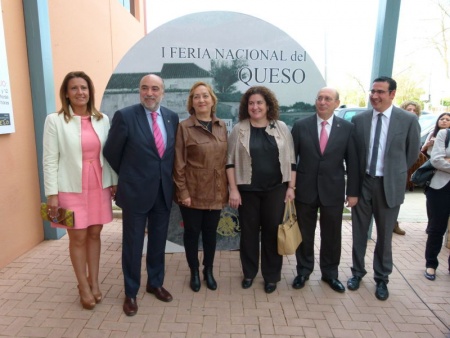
x=439, y=160
x=62, y=154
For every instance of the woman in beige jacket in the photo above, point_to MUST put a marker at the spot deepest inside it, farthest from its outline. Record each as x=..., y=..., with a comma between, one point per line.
x=261, y=170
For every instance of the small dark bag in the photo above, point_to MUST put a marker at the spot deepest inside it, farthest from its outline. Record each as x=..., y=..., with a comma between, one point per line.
x=422, y=176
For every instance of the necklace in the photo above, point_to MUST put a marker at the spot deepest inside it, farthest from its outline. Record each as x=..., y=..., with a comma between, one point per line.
x=205, y=124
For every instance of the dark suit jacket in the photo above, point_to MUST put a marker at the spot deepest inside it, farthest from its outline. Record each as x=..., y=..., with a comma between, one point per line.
x=323, y=176
x=131, y=152
x=402, y=150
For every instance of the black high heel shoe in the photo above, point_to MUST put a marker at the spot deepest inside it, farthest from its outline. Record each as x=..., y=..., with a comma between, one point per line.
x=195, y=280
x=246, y=283
x=209, y=278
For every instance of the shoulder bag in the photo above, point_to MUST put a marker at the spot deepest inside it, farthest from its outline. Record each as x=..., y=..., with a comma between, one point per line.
x=423, y=175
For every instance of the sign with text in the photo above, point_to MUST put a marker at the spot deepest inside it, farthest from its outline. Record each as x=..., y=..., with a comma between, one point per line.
x=232, y=52
x=6, y=110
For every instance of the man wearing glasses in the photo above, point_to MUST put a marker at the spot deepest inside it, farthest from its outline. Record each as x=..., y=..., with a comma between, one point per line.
x=322, y=143
x=388, y=141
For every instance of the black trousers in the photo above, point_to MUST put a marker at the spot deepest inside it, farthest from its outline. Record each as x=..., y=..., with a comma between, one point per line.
x=261, y=210
x=438, y=210
x=330, y=238
x=198, y=221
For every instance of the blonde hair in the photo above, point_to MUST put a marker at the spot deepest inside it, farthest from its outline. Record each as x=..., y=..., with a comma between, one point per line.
x=190, y=106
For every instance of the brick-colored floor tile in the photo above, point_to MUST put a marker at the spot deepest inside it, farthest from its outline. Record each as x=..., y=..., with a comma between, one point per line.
x=38, y=297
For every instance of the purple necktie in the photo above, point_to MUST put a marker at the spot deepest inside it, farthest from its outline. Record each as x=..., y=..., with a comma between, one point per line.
x=323, y=137
x=157, y=135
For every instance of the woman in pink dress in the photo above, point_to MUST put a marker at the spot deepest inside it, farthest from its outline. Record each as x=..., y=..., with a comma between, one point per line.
x=77, y=177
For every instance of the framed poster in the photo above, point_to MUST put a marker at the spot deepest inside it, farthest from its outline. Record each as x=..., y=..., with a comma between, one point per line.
x=6, y=110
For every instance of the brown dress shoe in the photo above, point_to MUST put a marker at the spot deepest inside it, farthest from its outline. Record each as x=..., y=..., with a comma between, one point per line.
x=160, y=293
x=130, y=306
x=398, y=230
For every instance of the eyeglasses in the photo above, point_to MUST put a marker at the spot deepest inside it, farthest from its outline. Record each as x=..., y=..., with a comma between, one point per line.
x=444, y=119
x=379, y=92
x=326, y=99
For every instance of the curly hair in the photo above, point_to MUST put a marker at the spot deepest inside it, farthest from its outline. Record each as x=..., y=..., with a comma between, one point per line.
x=190, y=107
x=273, y=110
x=65, y=101
x=417, y=108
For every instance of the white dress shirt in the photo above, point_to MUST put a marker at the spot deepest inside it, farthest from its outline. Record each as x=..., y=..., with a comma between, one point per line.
x=327, y=126
x=383, y=137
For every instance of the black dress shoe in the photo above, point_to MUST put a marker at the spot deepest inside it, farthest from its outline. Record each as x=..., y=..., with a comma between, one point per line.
x=247, y=282
x=160, y=293
x=130, y=306
x=270, y=287
x=353, y=283
x=382, y=292
x=335, y=284
x=299, y=281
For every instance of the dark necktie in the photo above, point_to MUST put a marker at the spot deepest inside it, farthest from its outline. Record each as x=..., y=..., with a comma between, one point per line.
x=376, y=144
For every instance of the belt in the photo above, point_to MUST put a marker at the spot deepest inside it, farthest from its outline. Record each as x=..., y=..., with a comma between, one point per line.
x=374, y=177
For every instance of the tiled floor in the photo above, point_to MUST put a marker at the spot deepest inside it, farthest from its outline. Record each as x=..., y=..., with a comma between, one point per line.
x=38, y=298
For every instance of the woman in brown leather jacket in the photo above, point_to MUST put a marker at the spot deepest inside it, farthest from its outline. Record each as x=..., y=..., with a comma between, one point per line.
x=201, y=186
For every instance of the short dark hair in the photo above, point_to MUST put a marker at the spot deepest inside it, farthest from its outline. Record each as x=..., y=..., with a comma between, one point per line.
x=389, y=80
x=273, y=112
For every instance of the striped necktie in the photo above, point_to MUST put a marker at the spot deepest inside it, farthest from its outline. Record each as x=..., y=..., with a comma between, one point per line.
x=157, y=135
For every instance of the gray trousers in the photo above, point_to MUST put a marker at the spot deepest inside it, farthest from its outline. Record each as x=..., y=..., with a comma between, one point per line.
x=372, y=202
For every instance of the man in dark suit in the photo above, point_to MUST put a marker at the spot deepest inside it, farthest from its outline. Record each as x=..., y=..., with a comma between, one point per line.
x=322, y=143
x=388, y=141
x=140, y=148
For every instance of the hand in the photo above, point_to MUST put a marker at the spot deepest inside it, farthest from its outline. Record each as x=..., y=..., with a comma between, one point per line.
x=351, y=201
x=235, y=199
x=186, y=202
x=113, y=192
x=53, y=206
x=290, y=195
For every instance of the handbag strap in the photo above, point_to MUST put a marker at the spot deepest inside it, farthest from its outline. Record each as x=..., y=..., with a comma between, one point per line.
x=447, y=138
x=292, y=205
x=289, y=209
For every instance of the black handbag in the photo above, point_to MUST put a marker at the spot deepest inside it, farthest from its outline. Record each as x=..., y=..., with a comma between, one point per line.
x=422, y=176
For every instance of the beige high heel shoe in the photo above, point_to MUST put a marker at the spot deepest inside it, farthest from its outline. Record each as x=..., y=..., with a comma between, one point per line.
x=87, y=304
x=98, y=297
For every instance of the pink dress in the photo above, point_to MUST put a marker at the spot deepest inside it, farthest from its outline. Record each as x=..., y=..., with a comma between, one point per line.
x=93, y=205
